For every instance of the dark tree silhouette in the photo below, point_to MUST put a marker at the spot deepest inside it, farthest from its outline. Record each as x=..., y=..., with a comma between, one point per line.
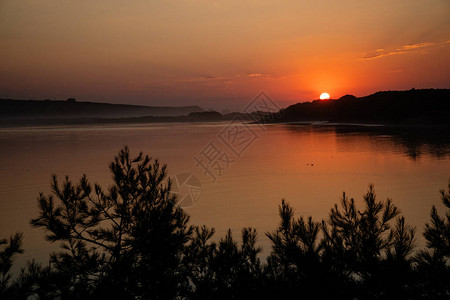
x=437, y=233
x=364, y=247
x=237, y=269
x=433, y=268
x=223, y=270
x=198, y=258
x=38, y=282
x=355, y=252
x=125, y=241
x=294, y=267
x=9, y=248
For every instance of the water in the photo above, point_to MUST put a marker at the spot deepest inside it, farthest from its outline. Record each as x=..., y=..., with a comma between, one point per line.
x=309, y=166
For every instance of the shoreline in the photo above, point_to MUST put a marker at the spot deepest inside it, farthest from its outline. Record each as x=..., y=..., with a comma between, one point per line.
x=17, y=123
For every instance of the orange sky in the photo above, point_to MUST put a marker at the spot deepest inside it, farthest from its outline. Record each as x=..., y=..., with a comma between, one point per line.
x=219, y=54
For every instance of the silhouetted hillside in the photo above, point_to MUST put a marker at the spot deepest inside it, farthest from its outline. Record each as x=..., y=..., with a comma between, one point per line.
x=206, y=115
x=426, y=106
x=47, y=109
x=202, y=116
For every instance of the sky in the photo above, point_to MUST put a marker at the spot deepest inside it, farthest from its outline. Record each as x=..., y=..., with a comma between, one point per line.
x=220, y=54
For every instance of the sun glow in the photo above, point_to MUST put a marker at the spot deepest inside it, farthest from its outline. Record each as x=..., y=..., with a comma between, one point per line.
x=324, y=96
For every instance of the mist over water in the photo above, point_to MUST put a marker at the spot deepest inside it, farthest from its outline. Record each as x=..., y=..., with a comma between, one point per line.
x=309, y=166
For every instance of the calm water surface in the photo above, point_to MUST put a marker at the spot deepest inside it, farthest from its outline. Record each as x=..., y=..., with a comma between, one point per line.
x=309, y=166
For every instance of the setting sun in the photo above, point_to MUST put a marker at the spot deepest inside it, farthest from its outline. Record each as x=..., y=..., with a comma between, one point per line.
x=324, y=96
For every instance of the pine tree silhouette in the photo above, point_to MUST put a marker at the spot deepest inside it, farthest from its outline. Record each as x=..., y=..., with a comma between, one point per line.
x=433, y=270
x=9, y=249
x=125, y=241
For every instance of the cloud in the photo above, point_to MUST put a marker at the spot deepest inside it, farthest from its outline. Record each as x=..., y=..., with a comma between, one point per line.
x=203, y=78
x=269, y=76
x=208, y=77
x=403, y=49
x=415, y=46
x=398, y=71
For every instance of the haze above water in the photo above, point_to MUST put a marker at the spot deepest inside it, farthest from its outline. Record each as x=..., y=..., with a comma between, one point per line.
x=310, y=166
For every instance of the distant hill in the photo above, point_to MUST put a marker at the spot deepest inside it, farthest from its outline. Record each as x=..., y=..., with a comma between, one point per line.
x=193, y=117
x=55, y=109
x=414, y=107
x=424, y=106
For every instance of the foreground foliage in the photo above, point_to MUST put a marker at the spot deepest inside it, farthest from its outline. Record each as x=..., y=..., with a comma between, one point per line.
x=132, y=241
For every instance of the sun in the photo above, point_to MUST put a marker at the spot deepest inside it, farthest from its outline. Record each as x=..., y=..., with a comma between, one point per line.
x=324, y=96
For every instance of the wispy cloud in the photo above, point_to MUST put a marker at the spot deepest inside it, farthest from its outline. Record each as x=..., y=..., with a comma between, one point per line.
x=268, y=76
x=208, y=77
x=203, y=78
x=398, y=71
x=415, y=46
x=403, y=49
